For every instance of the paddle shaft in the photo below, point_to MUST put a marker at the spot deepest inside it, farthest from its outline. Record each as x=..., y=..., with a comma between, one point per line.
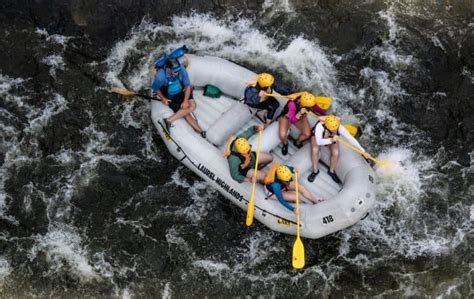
x=251, y=205
x=297, y=206
x=359, y=151
x=146, y=97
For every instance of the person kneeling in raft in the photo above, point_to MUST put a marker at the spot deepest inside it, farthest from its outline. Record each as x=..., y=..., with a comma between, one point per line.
x=295, y=113
x=242, y=160
x=279, y=185
x=326, y=132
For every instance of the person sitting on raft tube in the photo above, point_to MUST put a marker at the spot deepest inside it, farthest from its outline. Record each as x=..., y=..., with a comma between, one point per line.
x=295, y=113
x=279, y=185
x=173, y=87
x=326, y=132
x=242, y=160
x=255, y=96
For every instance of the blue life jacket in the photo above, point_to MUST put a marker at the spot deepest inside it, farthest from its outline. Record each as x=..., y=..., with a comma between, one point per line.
x=174, y=86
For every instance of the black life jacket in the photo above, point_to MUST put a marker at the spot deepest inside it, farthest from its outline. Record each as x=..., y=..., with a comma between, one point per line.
x=250, y=91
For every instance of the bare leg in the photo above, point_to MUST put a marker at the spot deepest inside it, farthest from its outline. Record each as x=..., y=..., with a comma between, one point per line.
x=334, y=148
x=284, y=124
x=305, y=192
x=193, y=123
x=260, y=175
x=305, y=129
x=314, y=154
x=264, y=159
x=287, y=195
x=183, y=111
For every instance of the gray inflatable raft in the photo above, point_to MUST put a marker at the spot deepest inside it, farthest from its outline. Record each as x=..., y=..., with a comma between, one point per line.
x=344, y=204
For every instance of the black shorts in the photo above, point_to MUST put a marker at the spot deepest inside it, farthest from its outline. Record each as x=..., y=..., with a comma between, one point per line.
x=177, y=100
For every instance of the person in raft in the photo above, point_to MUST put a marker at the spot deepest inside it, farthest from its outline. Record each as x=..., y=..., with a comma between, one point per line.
x=255, y=96
x=295, y=113
x=280, y=186
x=326, y=132
x=173, y=87
x=242, y=160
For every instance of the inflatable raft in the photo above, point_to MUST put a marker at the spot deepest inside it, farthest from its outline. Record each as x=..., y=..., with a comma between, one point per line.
x=344, y=204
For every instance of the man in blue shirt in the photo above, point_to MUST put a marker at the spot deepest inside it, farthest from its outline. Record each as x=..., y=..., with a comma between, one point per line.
x=173, y=87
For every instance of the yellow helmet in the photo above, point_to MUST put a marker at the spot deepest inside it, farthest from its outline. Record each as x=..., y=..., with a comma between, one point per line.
x=265, y=80
x=242, y=145
x=283, y=173
x=332, y=122
x=307, y=100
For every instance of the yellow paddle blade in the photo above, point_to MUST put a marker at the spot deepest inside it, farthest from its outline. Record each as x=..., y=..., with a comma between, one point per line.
x=353, y=130
x=298, y=254
x=250, y=209
x=385, y=163
x=324, y=102
x=123, y=91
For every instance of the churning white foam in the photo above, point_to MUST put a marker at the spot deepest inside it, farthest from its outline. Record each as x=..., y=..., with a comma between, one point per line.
x=39, y=120
x=62, y=246
x=56, y=38
x=5, y=269
x=56, y=62
x=232, y=39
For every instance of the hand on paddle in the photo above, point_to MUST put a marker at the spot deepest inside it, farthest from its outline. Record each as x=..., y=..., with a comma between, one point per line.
x=166, y=101
x=258, y=128
x=254, y=179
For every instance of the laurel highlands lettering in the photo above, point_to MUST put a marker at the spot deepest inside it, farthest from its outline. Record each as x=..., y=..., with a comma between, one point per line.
x=220, y=182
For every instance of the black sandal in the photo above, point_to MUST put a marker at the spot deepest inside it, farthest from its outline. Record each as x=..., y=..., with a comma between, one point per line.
x=312, y=176
x=298, y=145
x=284, y=149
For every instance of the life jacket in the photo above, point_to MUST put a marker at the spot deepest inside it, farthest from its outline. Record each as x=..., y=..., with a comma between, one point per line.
x=174, y=86
x=271, y=178
x=285, y=110
x=326, y=133
x=252, y=89
x=244, y=159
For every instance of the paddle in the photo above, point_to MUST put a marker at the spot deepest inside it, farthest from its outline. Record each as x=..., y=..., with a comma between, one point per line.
x=385, y=163
x=128, y=93
x=251, y=206
x=323, y=102
x=298, y=248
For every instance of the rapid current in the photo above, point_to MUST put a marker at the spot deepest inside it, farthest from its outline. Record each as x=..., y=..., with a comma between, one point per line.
x=92, y=204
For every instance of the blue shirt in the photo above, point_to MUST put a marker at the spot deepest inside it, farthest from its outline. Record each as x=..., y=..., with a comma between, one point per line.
x=276, y=187
x=162, y=78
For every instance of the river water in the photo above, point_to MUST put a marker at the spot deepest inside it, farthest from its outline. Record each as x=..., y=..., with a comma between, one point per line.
x=91, y=203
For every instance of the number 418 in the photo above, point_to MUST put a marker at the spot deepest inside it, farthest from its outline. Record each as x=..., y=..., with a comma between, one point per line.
x=328, y=219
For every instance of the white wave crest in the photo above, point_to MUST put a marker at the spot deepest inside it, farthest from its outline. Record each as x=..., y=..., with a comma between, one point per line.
x=63, y=249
